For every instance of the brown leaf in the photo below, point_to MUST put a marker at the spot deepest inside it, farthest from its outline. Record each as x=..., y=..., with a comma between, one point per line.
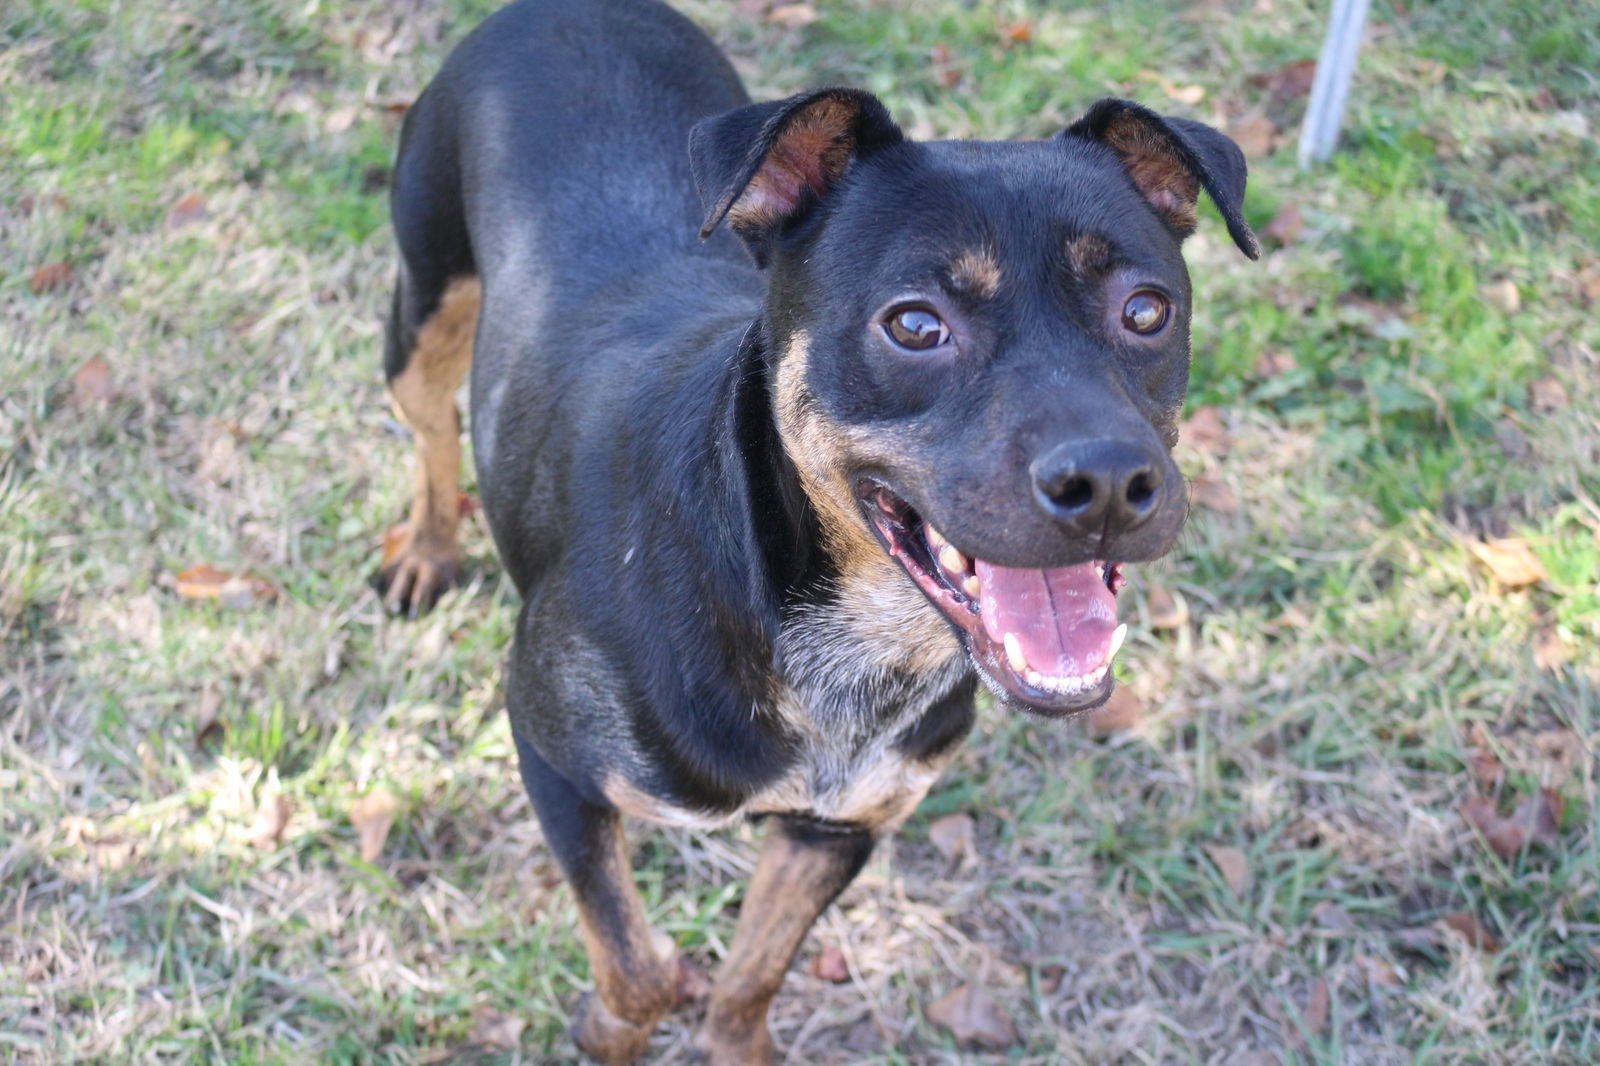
x=1232, y=864
x=207, y=721
x=188, y=209
x=830, y=966
x=1286, y=226
x=1167, y=609
x=373, y=816
x=1288, y=82
x=1315, y=1015
x=1547, y=396
x=1540, y=816
x=1185, y=94
x=1465, y=924
x=1378, y=972
x=1214, y=494
x=497, y=1031
x=944, y=69
x=92, y=383
x=1482, y=762
x=1503, y=296
x=1019, y=32
x=52, y=276
x=1332, y=917
x=1204, y=432
x=973, y=1018
x=230, y=588
x=1550, y=652
x=1273, y=363
x=1504, y=836
x=272, y=817
x=952, y=835
x=1123, y=710
x=1536, y=819
x=1510, y=560
x=1256, y=135
x=793, y=16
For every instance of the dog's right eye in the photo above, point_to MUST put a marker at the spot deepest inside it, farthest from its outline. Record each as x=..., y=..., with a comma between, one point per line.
x=916, y=329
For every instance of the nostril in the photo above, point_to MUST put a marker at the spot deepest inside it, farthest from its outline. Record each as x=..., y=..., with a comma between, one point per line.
x=1073, y=494
x=1141, y=491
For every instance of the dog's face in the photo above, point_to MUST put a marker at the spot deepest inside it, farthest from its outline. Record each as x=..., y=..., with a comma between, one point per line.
x=982, y=350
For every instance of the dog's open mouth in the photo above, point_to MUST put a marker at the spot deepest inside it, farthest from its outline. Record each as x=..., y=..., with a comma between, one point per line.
x=1046, y=637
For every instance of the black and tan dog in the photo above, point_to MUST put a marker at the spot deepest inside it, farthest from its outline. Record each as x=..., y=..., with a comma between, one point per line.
x=776, y=498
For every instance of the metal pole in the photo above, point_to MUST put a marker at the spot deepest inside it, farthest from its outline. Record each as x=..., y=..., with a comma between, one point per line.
x=1336, y=67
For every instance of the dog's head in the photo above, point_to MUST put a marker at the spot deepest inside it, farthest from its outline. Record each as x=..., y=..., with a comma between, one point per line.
x=980, y=352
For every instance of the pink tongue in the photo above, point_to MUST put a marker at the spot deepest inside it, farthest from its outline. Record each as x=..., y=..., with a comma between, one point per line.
x=1062, y=618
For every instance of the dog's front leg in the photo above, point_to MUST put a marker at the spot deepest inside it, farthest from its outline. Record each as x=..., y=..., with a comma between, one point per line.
x=634, y=985
x=803, y=867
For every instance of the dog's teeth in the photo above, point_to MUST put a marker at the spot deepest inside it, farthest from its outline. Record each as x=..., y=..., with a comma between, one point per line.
x=1019, y=662
x=935, y=538
x=972, y=586
x=1116, y=641
x=1034, y=678
x=952, y=560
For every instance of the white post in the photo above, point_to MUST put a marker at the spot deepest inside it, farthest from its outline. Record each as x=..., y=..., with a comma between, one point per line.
x=1336, y=67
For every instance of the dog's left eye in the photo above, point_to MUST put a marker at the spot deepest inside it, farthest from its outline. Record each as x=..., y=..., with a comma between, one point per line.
x=1145, y=312
x=916, y=329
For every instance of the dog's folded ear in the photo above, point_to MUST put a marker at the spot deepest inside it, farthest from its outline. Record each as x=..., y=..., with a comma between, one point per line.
x=764, y=165
x=1169, y=160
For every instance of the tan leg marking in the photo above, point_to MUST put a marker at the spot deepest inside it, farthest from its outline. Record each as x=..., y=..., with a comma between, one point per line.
x=429, y=557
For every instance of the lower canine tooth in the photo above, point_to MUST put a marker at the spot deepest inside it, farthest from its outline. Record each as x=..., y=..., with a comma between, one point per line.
x=972, y=586
x=1116, y=641
x=1019, y=662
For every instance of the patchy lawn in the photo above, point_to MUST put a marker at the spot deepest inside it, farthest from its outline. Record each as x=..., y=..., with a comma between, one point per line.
x=1348, y=812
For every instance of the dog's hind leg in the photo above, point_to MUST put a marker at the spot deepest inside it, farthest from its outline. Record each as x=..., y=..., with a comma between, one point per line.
x=803, y=867
x=426, y=362
x=634, y=985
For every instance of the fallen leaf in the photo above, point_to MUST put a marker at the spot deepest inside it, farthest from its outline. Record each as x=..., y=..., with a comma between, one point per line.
x=944, y=70
x=1232, y=864
x=1256, y=135
x=1510, y=560
x=1315, y=1015
x=1204, y=432
x=830, y=966
x=1332, y=917
x=1274, y=363
x=1482, y=762
x=272, y=817
x=952, y=835
x=1167, y=609
x=52, y=276
x=231, y=589
x=973, y=1018
x=693, y=985
x=92, y=383
x=207, y=721
x=189, y=209
x=1536, y=819
x=1378, y=972
x=1123, y=710
x=373, y=816
x=793, y=16
x=497, y=1031
x=1547, y=396
x=1214, y=494
x=1288, y=82
x=1550, y=652
x=1019, y=32
x=1540, y=814
x=1503, y=296
x=1286, y=226
x=1185, y=94
x=1465, y=925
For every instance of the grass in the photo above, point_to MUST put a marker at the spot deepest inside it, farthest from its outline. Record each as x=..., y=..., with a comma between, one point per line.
x=1316, y=711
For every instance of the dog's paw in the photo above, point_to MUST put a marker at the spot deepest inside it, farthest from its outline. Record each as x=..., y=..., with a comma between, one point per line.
x=605, y=1037
x=415, y=573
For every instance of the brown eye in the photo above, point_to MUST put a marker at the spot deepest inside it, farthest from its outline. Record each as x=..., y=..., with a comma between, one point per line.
x=916, y=329
x=1145, y=312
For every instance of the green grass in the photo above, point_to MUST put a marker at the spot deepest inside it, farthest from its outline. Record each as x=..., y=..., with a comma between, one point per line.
x=1316, y=712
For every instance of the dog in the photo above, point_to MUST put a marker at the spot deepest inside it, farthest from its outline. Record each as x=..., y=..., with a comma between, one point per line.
x=790, y=431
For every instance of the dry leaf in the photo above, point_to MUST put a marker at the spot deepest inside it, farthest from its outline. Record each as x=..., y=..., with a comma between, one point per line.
x=1332, y=917
x=793, y=16
x=1503, y=296
x=1315, y=1015
x=1465, y=925
x=830, y=966
x=1254, y=134
x=1233, y=866
x=1204, y=432
x=1214, y=494
x=373, y=816
x=272, y=817
x=1167, y=609
x=1547, y=396
x=207, y=582
x=52, y=276
x=190, y=208
x=1288, y=82
x=1273, y=363
x=500, y=1032
x=207, y=721
x=1550, y=652
x=1123, y=710
x=944, y=69
x=973, y=1018
x=1185, y=94
x=92, y=384
x=1482, y=762
x=1510, y=560
x=952, y=835
x=1019, y=32
x=1378, y=972
x=1286, y=226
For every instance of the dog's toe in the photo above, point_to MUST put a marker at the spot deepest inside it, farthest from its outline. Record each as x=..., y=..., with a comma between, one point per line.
x=605, y=1037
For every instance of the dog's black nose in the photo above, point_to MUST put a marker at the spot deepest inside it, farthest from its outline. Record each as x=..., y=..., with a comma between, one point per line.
x=1098, y=486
